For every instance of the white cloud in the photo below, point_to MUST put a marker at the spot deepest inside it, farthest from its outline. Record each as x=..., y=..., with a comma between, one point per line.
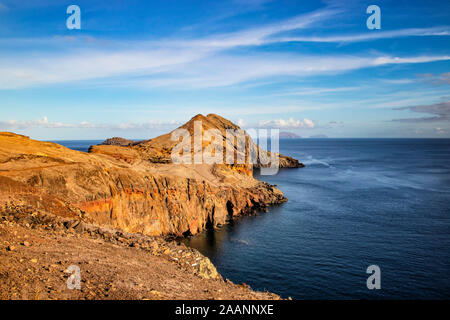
x=314, y=91
x=399, y=81
x=287, y=124
x=398, y=60
x=436, y=112
x=198, y=63
x=436, y=79
x=45, y=123
x=179, y=69
x=43, y=70
x=259, y=35
x=226, y=70
x=369, y=36
x=143, y=58
x=308, y=123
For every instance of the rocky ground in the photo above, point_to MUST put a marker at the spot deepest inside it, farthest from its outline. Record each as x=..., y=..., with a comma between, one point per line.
x=36, y=248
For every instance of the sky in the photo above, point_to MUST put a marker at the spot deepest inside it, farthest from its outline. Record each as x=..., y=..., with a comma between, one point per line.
x=137, y=69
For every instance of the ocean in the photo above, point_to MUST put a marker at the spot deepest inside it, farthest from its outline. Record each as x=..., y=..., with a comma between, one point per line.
x=358, y=202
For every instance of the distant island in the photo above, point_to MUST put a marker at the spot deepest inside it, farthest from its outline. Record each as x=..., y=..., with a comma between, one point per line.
x=318, y=136
x=289, y=135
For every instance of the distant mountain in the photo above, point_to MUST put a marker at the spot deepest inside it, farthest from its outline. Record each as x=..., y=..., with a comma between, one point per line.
x=289, y=135
x=319, y=136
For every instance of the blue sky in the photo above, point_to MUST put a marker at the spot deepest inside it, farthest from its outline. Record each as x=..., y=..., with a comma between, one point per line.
x=140, y=68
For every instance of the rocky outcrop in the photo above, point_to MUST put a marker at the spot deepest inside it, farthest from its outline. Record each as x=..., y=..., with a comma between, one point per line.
x=126, y=192
x=117, y=141
x=134, y=188
x=159, y=149
x=284, y=162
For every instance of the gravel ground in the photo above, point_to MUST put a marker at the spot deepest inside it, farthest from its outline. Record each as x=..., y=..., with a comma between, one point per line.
x=37, y=248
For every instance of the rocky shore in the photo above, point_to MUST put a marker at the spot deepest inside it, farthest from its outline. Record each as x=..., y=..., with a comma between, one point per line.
x=37, y=248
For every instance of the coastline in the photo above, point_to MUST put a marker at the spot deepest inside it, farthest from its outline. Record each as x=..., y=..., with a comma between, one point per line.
x=127, y=200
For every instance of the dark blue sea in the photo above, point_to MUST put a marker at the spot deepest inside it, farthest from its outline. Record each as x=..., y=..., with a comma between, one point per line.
x=79, y=145
x=358, y=202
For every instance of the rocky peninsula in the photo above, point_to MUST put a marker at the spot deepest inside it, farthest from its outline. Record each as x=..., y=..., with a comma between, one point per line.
x=125, y=197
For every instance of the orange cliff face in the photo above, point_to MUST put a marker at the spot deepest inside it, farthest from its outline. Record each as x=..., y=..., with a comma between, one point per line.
x=132, y=188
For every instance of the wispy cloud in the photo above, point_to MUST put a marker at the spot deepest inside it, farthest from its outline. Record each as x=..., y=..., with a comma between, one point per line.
x=231, y=70
x=403, y=60
x=167, y=68
x=369, y=36
x=287, y=124
x=52, y=68
x=45, y=123
x=436, y=79
x=311, y=91
x=399, y=81
x=260, y=35
x=440, y=130
x=192, y=63
x=439, y=111
x=223, y=10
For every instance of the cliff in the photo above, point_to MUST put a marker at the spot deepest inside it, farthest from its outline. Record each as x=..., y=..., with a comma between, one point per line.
x=130, y=188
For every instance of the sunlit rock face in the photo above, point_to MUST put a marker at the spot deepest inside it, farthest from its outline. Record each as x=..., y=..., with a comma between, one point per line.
x=134, y=187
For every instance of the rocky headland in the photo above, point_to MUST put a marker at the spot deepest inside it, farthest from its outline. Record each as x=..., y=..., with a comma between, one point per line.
x=132, y=188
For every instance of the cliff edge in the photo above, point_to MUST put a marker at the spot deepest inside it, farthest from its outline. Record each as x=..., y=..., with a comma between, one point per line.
x=132, y=188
